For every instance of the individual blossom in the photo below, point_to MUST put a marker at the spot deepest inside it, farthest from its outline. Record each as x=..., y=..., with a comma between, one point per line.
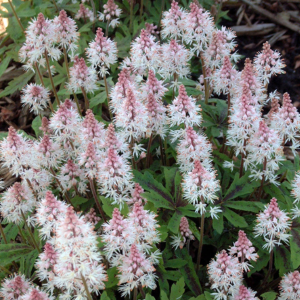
x=151, y=28
x=144, y=224
x=17, y=202
x=14, y=287
x=92, y=129
x=45, y=126
x=82, y=77
x=268, y=63
x=225, y=275
x=111, y=13
x=184, y=236
x=132, y=117
x=244, y=293
x=84, y=13
x=273, y=225
x=45, y=264
x=92, y=217
x=220, y=44
x=66, y=30
x=192, y=146
x=223, y=78
x=264, y=148
x=196, y=26
x=145, y=52
x=174, y=60
x=184, y=110
x=290, y=286
x=136, y=195
x=113, y=140
x=51, y=152
x=72, y=176
x=287, y=122
x=48, y=212
x=40, y=41
x=200, y=187
x=244, y=250
x=115, y=176
x=78, y=257
x=36, y=97
x=65, y=123
x=118, y=92
x=170, y=21
x=157, y=118
x=34, y=293
x=102, y=52
x=89, y=161
x=117, y=235
x=274, y=107
x=17, y=153
x=153, y=86
x=135, y=270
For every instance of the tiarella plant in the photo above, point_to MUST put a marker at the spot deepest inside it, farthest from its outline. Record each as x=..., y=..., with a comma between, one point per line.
x=139, y=181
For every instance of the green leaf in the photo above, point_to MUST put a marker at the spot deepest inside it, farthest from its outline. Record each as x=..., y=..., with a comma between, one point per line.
x=177, y=289
x=163, y=230
x=245, y=205
x=295, y=247
x=269, y=296
x=77, y=200
x=188, y=272
x=17, y=84
x=104, y=296
x=175, y=221
x=194, y=229
x=12, y=252
x=99, y=98
x=4, y=64
x=112, y=278
x=235, y=219
x=108, y=207
x=158, y=194
x=200, y=297
x=218, y=224
x=11, y=231
x=163, y=295
x=29, y=261
x=149, y=297
x=175, y=263
x=36, y=124
x=240, y=187
x=3, y=135
x=282, y=260
x=86, y=27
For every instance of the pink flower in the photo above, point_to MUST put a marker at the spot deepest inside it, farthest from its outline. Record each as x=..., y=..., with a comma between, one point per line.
x=244, y=294
x=84, y=13
x=110, y=13
x=290, y=286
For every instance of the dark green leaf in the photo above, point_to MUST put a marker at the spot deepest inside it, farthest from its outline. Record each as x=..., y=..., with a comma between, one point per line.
x=12, y=252
x=36, y=124
x=104, y=296
x=283, y=260
x=175, y=221
x=269, y=296
x=175, y=263
x=149, y=297
x=4, y=64
x=188, y=272
x=99, y=98
x=77, y=200
x=177, y=289
x=218, y=224
x=295, y=247
x=29, y=260
x=245, y=205
x=112, y=278
x=235, y=219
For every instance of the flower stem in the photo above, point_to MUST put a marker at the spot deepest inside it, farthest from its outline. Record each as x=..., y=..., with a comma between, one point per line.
x=30, y=233
x=132, y=158
x=242, y=158
x=135, y=293
x=263, y=178
x=16, y=16
x=50, y=77
x=141, y=9
x=94, y=13
x=142, y=292
x=228, y=108
x=3, y=233
x=92, y=185
x=107, y=95
x=86, y=100
x=206, y=86
x=166, y=155
x=161, y=150
x=201, y=239
x=88, y=294
x=106, y=29
x=55, y=5
x=149, y=152
x=21, y=235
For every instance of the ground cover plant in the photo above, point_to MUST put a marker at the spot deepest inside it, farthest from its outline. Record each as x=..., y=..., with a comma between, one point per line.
x=155, y=170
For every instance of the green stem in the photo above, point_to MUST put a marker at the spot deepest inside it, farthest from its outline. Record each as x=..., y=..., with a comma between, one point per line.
x=263, y=178
x=21, y=235
x=242, y=158
x=141, y=9
x=88, y=294
x=161, y=11
x=206, y=86
x=31, y=235
x=55, y=5
x=51, y=79
x=132, y=158
x=106, y=30
x=201, y=238
x=94, y=13
x=142, y=292
x=16, y=16
x=166, y=155
x=94, y=192
x=135, y=293
x=3, y=233
x=86, y=100
x=149, y=152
